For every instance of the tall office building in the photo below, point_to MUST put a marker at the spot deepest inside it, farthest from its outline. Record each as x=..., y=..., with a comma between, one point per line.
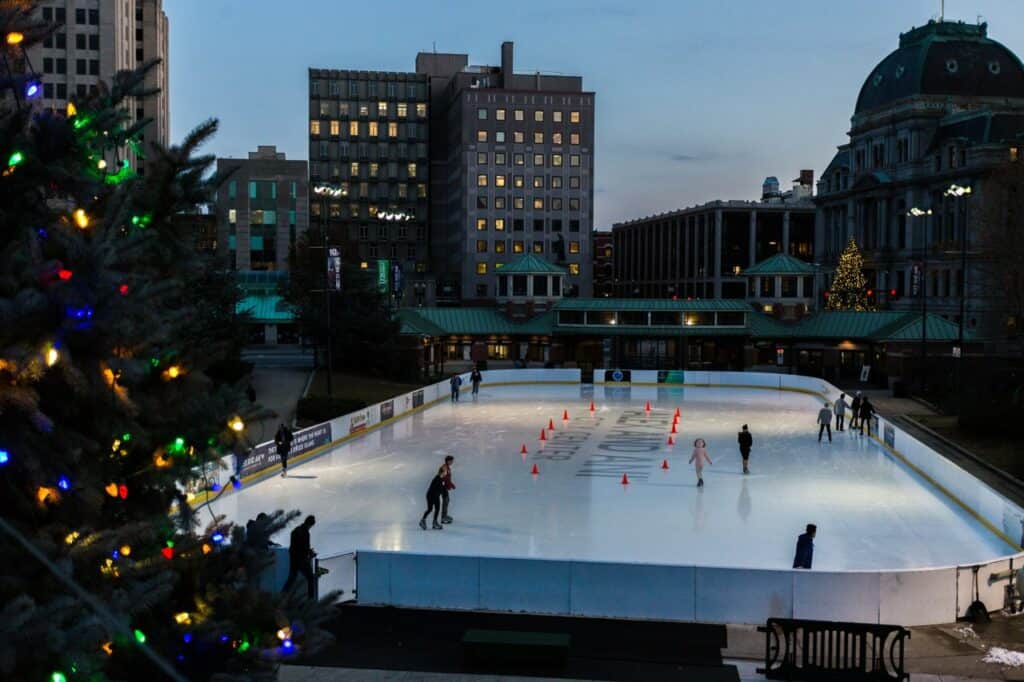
x=512, y=165
x=95, y=40
x=368, y=168
x=261, y=209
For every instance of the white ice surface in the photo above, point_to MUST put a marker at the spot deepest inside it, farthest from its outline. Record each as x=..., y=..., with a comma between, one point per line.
x=871, y=512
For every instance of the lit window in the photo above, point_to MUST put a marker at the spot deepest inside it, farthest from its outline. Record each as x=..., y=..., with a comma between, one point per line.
x=481, y=268
x=481, y=180
x=499, y=114
x=353, y=128
x=556, y=116
x=518, y=159
x=382, y=109
x=538, y=204
x=518, y=114
x=335, y=128
x=481, y=136
x=574, y=247
x=364, y=109
x=499, y=247
x=421, y=190
x=412, y=170
x=574, y=182
x=556, y=203
x=574, y=159
x=392, y=129
x=538, y=138
x=374, y=170
x=538, y=116
x=499, y=180
x=481, y=114
x=421, y=110
x=403, y=192
x=574, y=204
x=556, y=159
x=481, y=224
x=499, y=158
x=481, y=158
x=353, y=169
x=556, y=182
x=574, y=117
x=314, y=127
x=353, y=210
x=517, y=180
x=538, y=182
x=538, y=160
x=538, y=247
x=499, y=202
x=556, y=138
x=574, y=138
x=403, y=109
x=499, y=224
x=517, y=247
x=232, y=216
x=481, y=246
x=517, y=203
x=1014, y=154
x=518, y=137
x=499, y=136
x=574, y=268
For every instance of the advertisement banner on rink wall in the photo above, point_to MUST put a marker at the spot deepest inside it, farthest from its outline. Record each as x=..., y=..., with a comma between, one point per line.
x=617, y=376
x=890, y=436
x=671, y=376
x=358, y=421
x=417, y=398
x=265, y=455
x=387, y=409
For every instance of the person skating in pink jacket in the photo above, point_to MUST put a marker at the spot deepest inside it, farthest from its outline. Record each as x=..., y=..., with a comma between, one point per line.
x=698, y=458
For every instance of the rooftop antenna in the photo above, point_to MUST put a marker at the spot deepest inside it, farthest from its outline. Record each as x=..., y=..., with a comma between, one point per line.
x=942, y=10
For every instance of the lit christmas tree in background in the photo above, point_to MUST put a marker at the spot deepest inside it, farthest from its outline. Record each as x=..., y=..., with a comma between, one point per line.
x=113, y=335
x=849, y=286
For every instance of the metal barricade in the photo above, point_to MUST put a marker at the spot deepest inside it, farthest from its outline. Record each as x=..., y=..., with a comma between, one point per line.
x=833, y=652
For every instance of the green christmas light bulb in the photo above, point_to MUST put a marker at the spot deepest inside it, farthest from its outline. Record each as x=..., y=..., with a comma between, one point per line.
x=15, y=159
x=126, y=436
x=58, y=676
x=140, y=637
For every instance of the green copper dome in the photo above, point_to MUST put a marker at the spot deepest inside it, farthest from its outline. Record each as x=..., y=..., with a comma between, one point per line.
x=943, y=59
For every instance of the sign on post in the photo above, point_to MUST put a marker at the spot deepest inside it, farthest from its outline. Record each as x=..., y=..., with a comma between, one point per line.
x=383, y=271
x=334, y=268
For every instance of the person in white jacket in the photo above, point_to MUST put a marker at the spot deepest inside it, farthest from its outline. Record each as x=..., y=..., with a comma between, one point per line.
x=840, y=410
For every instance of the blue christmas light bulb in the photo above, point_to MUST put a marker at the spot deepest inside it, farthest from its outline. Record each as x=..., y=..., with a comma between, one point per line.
x=63, y=483
x=5, y=457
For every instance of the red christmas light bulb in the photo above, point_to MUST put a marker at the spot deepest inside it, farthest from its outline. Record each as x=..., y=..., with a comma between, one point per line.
x=64, y=274
x=123, y=289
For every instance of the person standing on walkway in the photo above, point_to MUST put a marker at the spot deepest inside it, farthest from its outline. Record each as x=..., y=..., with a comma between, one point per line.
x=448, y=485
x=283, y=439
x=300, y=557
x=867, y=411
x=456, y=383
x=855, y=410
x=434, y=500
x=698, y=458
x=825, y=421
x=840, y=406
x=475, y=378
x=746, y=442
x=805, y=548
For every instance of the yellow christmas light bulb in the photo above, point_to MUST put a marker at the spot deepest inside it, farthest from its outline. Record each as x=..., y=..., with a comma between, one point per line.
x=126, y=550
x=284, y=633
x=101, y=164
x=111, y=489
x=71, y=537
x=45, y=494
x=52, y=356
x=206, y=548
x=160, y=460
x=81, y=218
x=108, y=648
x=71, y=110
x=236, y=424
x=182, y=618
x=15, y=38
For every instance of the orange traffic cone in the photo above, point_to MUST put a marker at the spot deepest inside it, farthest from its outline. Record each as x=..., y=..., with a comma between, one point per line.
x=565, y=415
x=625, y=479
x=535, y=471
x=670, y=441
x=647, y=408
x=551, y=424
x=543, y=434
x=664, y=464
x=677, y=413
x=591, y=405
x=674, y=428
x=522, y=450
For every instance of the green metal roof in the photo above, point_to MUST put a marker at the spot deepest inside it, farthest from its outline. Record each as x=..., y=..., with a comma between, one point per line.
x=265, y=309
x=415, y=324
x=654, y=331
x=879, y=325
x=654, y=304
x=781, y=264
x=530, y=264
x=470, y=321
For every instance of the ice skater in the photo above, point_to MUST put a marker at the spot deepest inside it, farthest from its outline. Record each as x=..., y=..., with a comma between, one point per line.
x=448, y=485
x=475, y=378
x=697, y=459
x=300, y=557
x=283, y=439
x=434, y=500
x=867, y=411
x=825, y=421
x=805, y=548
x=456, y=383
x=746, y=442
x=840, y=409
x=855, y=410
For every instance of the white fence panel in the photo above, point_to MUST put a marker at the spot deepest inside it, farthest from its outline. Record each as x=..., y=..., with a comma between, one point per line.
x=736, y=595
x=530, y=585
x=341, y=575
x=424, y=581
x=373, y=579
x=851, y=597
x=917, y=597
x=664, y=591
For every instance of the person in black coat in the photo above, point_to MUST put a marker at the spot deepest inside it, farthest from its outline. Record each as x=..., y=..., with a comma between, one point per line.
x=300, y=557
x=283, y=440
x=867, y=411
x=434, y=500
x=855, y=410
x=746, y=442
x=805, y=548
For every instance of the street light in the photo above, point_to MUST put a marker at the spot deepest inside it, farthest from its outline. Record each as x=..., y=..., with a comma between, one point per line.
x=956, y=192
x=916, y=212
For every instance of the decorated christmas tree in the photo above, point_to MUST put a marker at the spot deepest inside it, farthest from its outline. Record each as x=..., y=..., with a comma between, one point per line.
x=109, y=323
x=849, y=286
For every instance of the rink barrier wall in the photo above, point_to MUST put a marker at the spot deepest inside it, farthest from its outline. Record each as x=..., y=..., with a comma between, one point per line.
x=687, y=593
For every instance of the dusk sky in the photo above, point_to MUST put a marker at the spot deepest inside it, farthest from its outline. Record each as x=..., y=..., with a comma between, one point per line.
x=696, y=99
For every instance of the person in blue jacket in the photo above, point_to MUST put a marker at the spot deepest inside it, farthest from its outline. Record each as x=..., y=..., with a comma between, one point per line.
x=456, y=384
x=805, y=548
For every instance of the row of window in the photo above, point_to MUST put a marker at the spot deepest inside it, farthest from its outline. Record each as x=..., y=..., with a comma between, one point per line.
x=538, y=203
x=82, y=16
x=383, y=232
x=262, y=189
x=556, y=161
x=388, y=89
x=365, y=190
x=518, y=225
x=482, y=245
x=483, y=113
x=481, y=267
x=519, y=137
x=83, y=67
x=335, y=210
x=389, y=129
x=520, y=181
x=260, y=217
x=371, y=109
x=61, y=91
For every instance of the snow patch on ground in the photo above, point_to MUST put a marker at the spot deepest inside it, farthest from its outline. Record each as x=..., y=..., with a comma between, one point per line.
x=1006, y=657
x=965, y=632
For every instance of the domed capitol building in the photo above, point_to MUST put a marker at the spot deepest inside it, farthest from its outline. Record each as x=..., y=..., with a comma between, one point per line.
x=940, y=112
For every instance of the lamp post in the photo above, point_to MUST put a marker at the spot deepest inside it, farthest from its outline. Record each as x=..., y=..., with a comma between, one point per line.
x=916, y=212
x=957, y=192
